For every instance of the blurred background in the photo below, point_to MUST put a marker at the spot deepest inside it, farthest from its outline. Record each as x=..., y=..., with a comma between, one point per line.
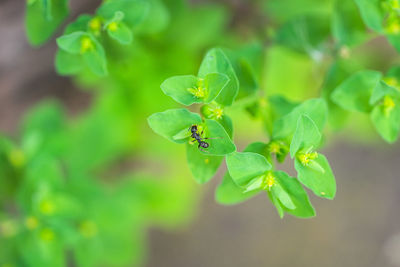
x=360, y=227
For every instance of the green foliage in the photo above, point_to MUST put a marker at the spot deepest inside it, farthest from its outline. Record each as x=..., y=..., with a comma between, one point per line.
x=317, y=175
x=306, y=136
x=347, y=26
x=246, y=167
x=304, y=33
x=354, y=93
x=385, y=114
x=229, y=193
x=62, y=176
x=118, y=30
x=215, y=61
x=285, y=127
x=43, y=18
x=202, y=166
x=370, y=92
x=171, y=123
x=84, y=48
x=189, y=89
x=250, y=173
x=371, y=13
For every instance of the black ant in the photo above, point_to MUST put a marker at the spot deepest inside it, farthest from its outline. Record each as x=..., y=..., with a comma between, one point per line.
x=196, y=136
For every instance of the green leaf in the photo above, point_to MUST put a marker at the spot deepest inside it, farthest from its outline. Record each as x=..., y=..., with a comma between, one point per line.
x=354, y=93
x=229, y=193
x=216, y=61
x=41, y=252
x=120, y=32
x=214, y=84
x=156, y=19
x=382, y=89
x=258, y=147
x=282, y=196
x=95, y=58
x=86, y=45
x=183, y=89
x=247, y=64
x=171, y=122
x=278, y=205
x=177, y=88
x=79, y=25
x=134, y=10
x=347, y=25
x=203, y=167
x=371, y=13
x=42, y=19
x=335, y=75
x=306, y=136
x=216, y=112
x=67, y=64
x=71, y=43
x=255, y=184
x=285, y=127
x=274, y=108
x=43, y=131
x=243, y=167
x=305, y=33
x=219, y=143
x=387, y=123
x=323, y=184
x=298, y=196
x=185, y=133
x=226, y=122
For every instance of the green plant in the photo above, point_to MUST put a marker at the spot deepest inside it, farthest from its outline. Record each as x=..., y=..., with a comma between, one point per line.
x=295, y=128
x=298, y=71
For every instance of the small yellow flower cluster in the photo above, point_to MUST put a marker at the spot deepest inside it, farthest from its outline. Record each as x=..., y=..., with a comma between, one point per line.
x=86, y=44
x=388, y=105
x=274, y=147
x=305, y=158
x=199, y=91
x=95, y=25
x=268, y=181
x=113, y=26
x=216, y=112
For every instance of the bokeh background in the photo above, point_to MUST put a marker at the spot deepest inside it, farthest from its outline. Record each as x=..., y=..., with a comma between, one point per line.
x=361, y=227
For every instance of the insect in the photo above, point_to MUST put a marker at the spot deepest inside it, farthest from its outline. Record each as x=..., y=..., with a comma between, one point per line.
x=196, y=136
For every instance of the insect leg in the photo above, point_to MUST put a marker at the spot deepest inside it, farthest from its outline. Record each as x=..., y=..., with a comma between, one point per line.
x=203, y=150
x=212, y=138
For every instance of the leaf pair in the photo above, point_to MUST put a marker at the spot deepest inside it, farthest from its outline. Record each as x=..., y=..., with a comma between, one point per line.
x=77, y=48
x=79, y=45
x=250, y=173
x=368, y=92
x=382, y=17
x=118, y=30
x=189, y=89
x=216, y=81
x=175, y=124
x=312, y=168
x=285, y=127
